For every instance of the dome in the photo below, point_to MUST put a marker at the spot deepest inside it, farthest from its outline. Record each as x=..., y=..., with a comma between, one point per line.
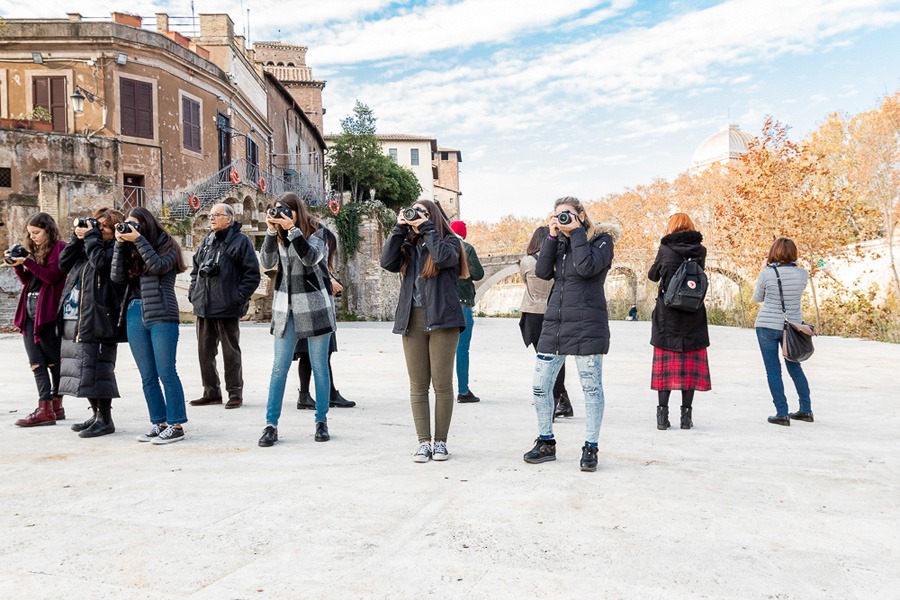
x=722, y=147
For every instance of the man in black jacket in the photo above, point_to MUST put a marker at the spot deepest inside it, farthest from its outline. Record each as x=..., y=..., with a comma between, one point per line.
x=224, y=276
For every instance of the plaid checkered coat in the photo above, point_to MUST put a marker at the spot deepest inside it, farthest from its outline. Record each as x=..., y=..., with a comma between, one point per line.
x=300, y=286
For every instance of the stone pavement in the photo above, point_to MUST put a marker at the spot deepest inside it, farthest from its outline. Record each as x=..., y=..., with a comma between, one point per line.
x=735, y=508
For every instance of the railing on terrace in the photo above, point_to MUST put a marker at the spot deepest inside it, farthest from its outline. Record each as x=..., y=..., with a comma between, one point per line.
x=240, y=173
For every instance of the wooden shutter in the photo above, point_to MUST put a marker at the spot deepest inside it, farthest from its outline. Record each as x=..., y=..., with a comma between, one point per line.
x=136, y=104
x=190, y=124
x=58, y=103
x=50, y=93
x=126, y=105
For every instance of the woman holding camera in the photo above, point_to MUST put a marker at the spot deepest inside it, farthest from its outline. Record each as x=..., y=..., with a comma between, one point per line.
x=679, y=338
x=781, y=263
x=301, y=308
x=430, y=259
x=89, y=318
x=576, y=256
x=534, y=304
x=147, y=259
x=42, y=282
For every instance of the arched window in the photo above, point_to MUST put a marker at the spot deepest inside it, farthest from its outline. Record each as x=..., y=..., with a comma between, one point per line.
x=280, y=64
x=290, y=64
x=270, y=64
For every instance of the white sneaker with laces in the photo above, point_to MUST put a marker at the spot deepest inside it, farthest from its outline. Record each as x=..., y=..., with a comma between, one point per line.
x=423, y=454
x=440, y=451
x=152, y=434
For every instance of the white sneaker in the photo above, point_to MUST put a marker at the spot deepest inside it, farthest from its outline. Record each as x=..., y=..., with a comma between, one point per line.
x=423, y=454
x=152, y=434
x=440, y=451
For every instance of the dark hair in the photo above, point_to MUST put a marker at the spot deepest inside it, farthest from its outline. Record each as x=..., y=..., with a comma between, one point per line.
x=442, y=228
x=43, y=221
x=109, y=216
x=537, y=239
x=783, y=251
x=331, y=242
x=306, y=221
x=161, y=241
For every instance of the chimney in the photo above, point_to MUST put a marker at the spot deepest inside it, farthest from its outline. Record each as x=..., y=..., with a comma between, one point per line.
x=74, y=16
x=126, y=19
x=162, y=23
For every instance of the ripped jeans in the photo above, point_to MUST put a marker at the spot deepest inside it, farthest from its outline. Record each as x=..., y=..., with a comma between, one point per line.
x=590, y=371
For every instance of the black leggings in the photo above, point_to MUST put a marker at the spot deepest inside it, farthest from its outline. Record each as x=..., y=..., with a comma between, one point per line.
x=43, y=358
x=304, y=369
x=687, y=397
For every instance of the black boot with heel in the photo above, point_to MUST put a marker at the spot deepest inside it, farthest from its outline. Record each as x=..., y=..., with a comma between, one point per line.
x=90, y=420
x=686, y=422
x=662, y=417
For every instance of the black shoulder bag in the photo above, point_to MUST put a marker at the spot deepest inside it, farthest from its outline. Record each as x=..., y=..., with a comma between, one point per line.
x=796, y=339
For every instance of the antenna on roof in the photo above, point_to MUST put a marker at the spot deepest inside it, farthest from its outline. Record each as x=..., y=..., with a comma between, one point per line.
x=193, y=18
x=248, y=27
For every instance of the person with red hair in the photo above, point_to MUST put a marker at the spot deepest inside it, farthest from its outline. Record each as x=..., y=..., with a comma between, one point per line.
x=679, y=338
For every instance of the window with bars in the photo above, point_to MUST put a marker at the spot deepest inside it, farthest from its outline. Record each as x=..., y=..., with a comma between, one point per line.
x=190, y=123
x=5, y=177
x=136, y=105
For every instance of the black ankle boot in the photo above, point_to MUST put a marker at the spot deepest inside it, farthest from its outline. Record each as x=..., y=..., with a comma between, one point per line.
x=322, y=432
x=306, y=402
x=91, y=419
x=564, y=407
x=103, y=425
x=662, y=417
x=686, y=422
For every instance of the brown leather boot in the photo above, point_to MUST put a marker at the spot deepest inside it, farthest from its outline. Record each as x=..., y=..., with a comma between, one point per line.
x=58, y=408
x=43, y=415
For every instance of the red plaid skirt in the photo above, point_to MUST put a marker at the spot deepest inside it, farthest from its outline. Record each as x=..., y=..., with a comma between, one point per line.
x=674, y=370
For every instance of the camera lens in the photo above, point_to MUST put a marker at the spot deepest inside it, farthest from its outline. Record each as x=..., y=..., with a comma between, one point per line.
x=123, y=227
x=564, y=218
x=410, y=214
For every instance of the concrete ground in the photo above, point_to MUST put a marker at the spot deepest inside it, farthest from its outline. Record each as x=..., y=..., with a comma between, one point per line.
x=735, y=508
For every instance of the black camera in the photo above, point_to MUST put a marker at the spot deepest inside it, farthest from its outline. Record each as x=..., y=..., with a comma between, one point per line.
x=89, y=223
x=279, y=211
x=15, y=251
x=126, y=227
x=413, y=214
x=209, y=268
x=566, y=217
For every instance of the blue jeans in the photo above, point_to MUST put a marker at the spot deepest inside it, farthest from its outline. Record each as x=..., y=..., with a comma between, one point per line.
x=770, y=346
x=462, y=351
x=281, y=365
x=590, y=369
x=154, y=347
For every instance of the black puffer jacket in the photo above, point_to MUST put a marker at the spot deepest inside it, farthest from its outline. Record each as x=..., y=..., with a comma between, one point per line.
x=439, y=298
x=675, y=329
x=576, y=322
x=158, y=300
x=89, y=261
x=227, y=294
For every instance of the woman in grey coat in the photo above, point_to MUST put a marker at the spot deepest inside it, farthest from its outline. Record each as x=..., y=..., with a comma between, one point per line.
x=302, y=306
x=781, y=263
x=91, y=303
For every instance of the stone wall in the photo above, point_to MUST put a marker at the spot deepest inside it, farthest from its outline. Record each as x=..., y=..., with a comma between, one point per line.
x=9, y=296
x=371, y=293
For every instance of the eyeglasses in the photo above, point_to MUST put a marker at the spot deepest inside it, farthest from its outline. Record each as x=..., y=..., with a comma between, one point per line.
x=218, y=215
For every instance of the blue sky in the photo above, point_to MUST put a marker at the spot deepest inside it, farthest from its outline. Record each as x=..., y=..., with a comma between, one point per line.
x=573, y=97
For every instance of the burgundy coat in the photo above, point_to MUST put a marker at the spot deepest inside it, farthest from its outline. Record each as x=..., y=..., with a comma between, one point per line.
x=53, y=280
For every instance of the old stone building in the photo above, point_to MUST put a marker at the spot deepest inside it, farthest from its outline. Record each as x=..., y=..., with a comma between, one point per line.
x=140, y=114
x=446, y=184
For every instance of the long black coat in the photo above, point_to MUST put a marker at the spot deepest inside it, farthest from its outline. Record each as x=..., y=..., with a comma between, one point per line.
x=675, y=329
x=439, y=298
x=87, y=367
x=226, y=295
x=576, y=322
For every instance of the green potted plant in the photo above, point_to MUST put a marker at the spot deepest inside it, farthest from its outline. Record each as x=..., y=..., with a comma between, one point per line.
x=39, y=119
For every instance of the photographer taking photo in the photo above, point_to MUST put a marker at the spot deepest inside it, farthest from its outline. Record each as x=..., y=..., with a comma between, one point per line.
x=148, y=259
x=37, y=267
x=302, y=306
x=90, y=320
x=225, y=274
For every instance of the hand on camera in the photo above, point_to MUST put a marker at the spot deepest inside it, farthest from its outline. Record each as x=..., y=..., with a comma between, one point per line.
x=285, y=222
x=129, y=236
x=80, y=231
x=553, y=224
x=13, y=262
